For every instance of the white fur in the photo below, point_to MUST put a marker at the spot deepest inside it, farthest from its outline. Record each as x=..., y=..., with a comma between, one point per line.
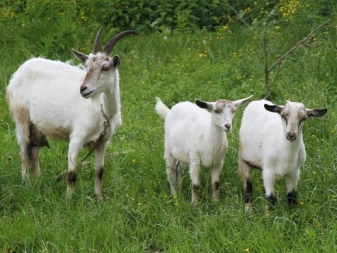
x=46, y=94
x=272, y=140
x=197, y=137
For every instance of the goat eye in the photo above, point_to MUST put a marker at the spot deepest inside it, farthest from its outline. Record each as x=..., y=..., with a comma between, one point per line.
x=217, y=111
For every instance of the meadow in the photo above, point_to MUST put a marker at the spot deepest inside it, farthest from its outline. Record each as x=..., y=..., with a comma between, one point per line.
x=138, y=214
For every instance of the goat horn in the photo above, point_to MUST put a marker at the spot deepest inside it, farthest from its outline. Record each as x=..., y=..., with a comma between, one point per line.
x=96, y=43
x=111, y=43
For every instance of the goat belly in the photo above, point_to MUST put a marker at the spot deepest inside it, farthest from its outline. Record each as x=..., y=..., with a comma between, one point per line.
x=181, y=155
x=58, y=133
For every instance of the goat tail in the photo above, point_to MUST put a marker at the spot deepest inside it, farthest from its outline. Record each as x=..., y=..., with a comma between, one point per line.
x=161, y=108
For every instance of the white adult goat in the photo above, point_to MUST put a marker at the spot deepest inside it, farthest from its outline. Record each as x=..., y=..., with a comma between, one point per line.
x=196, y=137
x=271, y=139
x=57, y=100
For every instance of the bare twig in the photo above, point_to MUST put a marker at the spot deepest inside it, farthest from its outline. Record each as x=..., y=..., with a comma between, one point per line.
x=266, y=66
x=268, y=69
x=298, y=44
x=242, y=20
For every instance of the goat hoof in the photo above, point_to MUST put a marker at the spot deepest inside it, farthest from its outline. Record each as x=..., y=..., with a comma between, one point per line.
x=248, y=207
x=271, y=202
x=292, y=198
x=271, y=199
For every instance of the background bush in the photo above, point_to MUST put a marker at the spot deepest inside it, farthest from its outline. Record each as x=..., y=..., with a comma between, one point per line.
x=54, y=26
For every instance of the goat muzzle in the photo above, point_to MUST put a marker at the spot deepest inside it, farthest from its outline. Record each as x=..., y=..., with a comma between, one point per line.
x=83, y=88
x=291, y=136
x=228, y=127
x=84, y=91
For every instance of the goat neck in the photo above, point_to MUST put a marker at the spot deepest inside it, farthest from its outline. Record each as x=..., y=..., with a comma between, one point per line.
x=111, y=98
x=215, y=133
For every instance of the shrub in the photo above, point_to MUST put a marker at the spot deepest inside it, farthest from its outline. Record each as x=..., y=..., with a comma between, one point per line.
x=51, y=27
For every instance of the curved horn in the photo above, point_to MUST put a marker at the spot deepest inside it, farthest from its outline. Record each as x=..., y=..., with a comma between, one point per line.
x=111, y=43
x=96, y=43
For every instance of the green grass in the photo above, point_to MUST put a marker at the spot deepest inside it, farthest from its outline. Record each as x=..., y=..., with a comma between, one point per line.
x=138, y=214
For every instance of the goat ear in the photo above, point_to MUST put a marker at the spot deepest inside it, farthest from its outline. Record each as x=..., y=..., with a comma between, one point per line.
x=116, y=60
x=316, y=112
x=82, y=57
x=273, y=108
x=240, y=102
x=204, y=105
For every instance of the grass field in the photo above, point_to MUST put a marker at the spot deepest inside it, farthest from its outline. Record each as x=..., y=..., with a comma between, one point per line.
x=138, y=214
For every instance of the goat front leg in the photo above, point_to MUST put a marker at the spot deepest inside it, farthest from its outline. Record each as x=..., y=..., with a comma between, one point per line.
x=74, y=148
x=215, y=175
x=269, y=182
x=195, y=178
x=291, y=185
x=99, y=169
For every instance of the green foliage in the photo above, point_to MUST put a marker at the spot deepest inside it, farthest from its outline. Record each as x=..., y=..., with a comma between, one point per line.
x=40, y=26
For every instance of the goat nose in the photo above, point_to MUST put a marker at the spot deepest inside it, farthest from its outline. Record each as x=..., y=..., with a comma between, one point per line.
x=291, y=135
x=228, y=126
x=83, y=88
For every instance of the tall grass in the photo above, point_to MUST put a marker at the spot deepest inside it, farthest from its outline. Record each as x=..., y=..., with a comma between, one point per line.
x=138, y=214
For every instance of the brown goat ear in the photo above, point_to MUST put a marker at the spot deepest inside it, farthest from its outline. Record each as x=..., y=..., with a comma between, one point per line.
x=116, y=60
x=204, y=105
x=273, y=108
x=81, y=56
x=316, y=112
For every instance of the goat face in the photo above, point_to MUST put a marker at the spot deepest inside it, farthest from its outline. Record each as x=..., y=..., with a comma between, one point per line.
x=101, y=68
x=222, y=111
x=101, y=74
x=293, y=115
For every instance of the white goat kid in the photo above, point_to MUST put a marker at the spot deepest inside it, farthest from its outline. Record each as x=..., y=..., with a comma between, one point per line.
x=196, y=137
x=271, y=139
x=57, y=100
